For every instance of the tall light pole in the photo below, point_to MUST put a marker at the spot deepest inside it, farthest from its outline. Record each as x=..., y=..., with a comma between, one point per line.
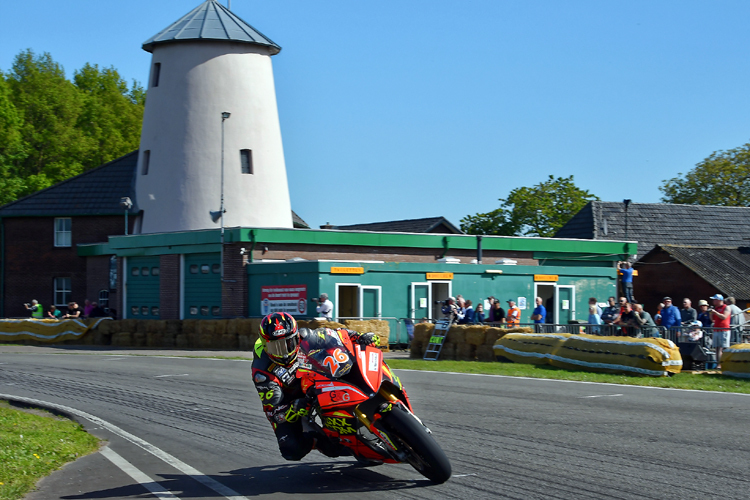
x=215, y=216
x=127, y=204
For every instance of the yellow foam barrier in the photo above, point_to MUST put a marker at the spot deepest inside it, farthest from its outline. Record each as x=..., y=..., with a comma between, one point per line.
x=735, y=361
x=44, y=330
x=654, y=357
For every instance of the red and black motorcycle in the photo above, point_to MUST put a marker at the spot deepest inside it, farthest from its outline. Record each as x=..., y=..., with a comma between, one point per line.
x=361, y=404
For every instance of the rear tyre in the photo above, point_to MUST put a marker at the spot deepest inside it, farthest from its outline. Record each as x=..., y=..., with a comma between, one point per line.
x=423, y=453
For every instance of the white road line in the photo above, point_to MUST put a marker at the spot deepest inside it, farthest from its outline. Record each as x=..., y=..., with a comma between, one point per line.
x=181, y=375
x=601, y=396
x=175, y=462
x=131, y=470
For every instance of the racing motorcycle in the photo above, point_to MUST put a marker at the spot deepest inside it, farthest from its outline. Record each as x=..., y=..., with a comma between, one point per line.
x=358, y=402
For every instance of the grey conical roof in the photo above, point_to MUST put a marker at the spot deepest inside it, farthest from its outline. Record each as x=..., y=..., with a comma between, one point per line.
x=210, y=21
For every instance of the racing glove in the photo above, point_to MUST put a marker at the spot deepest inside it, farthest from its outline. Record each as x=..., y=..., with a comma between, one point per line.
x=365, y=339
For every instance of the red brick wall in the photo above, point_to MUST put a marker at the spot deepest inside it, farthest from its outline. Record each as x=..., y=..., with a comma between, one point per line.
x=32, y=261
x=169, y=287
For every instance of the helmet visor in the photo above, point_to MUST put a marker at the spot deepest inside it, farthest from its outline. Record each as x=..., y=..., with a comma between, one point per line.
x=281, y=348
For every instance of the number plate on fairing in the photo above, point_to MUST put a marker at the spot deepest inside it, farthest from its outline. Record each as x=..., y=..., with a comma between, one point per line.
x=371, y=365
x=333, y=394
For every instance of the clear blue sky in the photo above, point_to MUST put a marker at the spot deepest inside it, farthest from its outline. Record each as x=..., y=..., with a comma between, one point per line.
x=407, y=109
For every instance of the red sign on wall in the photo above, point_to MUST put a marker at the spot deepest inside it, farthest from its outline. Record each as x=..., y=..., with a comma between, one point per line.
x=290, y=299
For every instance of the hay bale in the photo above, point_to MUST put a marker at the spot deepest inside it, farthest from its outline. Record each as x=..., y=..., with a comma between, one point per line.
x=456, y=335
x=232, y=326
x=122, y=339
x=128, y=325
x=173, y=326
x=139, y=339
x=189, y=326
x=476, y=334
x=182, y=341
x=448, y=352
x=485, y=353
x=492, y=334
x=465, y=352
x=220, y=326
x=105, y=327
x=142, y=325
x=423, y=332
x=245, y=342
x=379, y=327
x=229, y=341
x=156, y=325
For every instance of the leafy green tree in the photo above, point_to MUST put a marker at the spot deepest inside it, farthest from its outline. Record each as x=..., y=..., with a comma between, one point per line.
x=721, y=179
x=49, y=105
x=111, y=116
x=539, y=210
x=11, y=145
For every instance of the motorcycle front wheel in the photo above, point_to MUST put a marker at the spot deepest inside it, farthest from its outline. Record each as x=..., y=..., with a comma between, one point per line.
x=423, y=453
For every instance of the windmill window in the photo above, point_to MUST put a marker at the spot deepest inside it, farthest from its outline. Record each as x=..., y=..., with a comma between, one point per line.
x=246, y=161
x=157, y=73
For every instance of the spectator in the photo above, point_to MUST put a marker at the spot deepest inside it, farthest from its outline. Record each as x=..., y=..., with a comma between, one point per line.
x=592, y=302
x=645, y=321
x=325, y=307
x=628, y=321
x=73, y=311
x=703, y=315
x=657, y=316
x=513, y=318
x=479, y=314
x=687, y=313
x=468, y=313
x=627, y=280
x=409, y=329
x=96, y=311
x=497, y=313
x=721, y=317
x=451, y=310
x=610, y=313
x=87, y=308
x=670, y=315
x=35, y=309
x=594, y=319
x=539, y=315
x=693, y=334
x=54, y=312
x=738, y=317
x=461, y=304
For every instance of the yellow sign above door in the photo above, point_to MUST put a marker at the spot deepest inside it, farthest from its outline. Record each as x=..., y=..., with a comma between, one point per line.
x=439, y=276
x=347, y=270
x=545, y=277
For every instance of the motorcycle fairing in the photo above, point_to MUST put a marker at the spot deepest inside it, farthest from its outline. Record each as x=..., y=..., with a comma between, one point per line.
x=370, y=365
x=331, y=394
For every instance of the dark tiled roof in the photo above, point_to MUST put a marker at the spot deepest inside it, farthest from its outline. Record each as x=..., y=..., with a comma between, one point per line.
x=428, y=225
x=728, y=269
x=210, y=21
x=298, y=223
x=660, y=223
x=95, y=192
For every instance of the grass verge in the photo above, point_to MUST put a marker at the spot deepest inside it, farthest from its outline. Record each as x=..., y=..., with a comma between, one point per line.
x=34, y=443
x=695, y=381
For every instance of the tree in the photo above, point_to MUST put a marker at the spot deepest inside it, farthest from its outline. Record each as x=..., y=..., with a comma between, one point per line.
x=11, y=145
x=536, y=211
x=721, y=179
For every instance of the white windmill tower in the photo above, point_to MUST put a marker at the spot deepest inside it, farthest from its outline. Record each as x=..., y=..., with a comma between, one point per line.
x=211, y=128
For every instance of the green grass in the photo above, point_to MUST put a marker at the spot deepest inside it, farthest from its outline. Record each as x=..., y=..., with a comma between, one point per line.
x=33, y=444
x=698, y=381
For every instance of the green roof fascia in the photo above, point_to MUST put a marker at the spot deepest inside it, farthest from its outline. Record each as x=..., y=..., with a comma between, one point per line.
x=613, y=249
x=543, y=248
x=94, y=249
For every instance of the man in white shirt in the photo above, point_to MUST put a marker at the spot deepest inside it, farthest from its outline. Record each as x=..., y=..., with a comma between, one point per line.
x=325, y=307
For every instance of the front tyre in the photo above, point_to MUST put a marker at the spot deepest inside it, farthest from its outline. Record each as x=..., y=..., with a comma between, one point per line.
x=423, y=453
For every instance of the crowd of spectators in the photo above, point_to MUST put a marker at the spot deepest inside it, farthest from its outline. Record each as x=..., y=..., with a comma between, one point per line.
x=73, y=311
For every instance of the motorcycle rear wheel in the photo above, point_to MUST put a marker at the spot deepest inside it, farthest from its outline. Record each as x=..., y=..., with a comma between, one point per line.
x=424, y=454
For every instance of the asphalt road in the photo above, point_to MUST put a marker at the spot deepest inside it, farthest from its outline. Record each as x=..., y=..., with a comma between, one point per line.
x=193, y=428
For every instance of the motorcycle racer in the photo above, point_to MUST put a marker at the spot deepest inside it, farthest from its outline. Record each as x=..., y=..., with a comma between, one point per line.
x=274, y=375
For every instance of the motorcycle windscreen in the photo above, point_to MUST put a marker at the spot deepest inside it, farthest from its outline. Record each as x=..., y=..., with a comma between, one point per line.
x=332, y=360
x=370, y=365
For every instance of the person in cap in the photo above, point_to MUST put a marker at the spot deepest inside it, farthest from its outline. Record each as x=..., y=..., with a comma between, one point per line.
x=670, y=315
x=513, y=317
x=703, y=315
x=452, y=310
x=721, y=316
x=694, y=332
x=325, y=307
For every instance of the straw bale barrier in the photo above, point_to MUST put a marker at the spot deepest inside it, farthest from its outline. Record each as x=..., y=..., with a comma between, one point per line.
x=227, y=334
x=735, y=361
x=463, y=342
x=654, y=357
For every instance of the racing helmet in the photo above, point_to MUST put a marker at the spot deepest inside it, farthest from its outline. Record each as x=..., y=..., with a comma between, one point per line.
x=279, y=334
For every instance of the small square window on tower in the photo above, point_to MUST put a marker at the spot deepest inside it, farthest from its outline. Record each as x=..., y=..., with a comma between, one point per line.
x=246, y=160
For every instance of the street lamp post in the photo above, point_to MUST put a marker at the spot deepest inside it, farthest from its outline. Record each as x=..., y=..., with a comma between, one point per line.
x=127, y=204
